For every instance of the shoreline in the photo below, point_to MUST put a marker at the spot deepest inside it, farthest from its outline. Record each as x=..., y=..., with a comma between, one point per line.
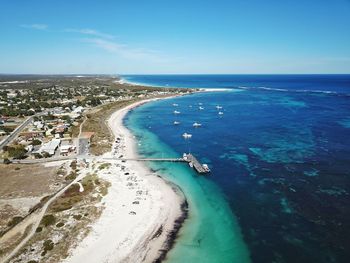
x=149, y=231
x=124, y=81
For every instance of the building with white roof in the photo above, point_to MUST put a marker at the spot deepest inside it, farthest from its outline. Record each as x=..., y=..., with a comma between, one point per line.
x=50, y=147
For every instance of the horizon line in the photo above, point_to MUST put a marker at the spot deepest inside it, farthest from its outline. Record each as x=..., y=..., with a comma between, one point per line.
x=152, y=74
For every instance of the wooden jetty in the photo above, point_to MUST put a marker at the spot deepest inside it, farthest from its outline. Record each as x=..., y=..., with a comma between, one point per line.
x=148, y=159
x=187, y=158
x=200, y=168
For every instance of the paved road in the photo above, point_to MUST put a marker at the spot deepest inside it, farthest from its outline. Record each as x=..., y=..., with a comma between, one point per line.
x=83, y=148
x=16, y=132
x=43, y=160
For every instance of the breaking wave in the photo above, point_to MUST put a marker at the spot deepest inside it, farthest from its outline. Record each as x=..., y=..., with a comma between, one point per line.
x=296, y=90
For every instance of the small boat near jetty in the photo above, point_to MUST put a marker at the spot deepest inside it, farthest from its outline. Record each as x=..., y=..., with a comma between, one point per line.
x=206, y=168
x=175, y=104
x=176, y=112
x=176, y=122
x=221, y=113
x=201, y=108
x=218, y=107
x=197, y=125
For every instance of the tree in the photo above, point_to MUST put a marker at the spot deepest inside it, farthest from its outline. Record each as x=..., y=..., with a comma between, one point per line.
x=36, y=142
x=18, y=152
x=7, y=161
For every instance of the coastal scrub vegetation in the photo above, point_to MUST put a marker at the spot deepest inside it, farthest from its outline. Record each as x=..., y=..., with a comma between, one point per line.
x=66, y=222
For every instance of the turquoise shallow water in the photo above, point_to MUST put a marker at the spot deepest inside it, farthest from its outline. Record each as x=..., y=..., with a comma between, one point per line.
x=211, y=232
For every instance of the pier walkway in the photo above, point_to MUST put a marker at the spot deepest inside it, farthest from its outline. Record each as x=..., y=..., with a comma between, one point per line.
x=149, y=159
x=188, y=158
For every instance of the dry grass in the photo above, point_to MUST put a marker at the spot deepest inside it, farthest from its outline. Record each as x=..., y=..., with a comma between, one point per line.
x=74, y=130
x=96, y=122
x=66, y=222
x=7, y=247
x=23, y=189
x=23, y=180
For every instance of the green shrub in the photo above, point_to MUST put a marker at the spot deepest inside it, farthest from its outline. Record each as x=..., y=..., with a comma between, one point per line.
x=17, y=152
x=77, y=217
x=73, y=165
x=60, y=224
x=71, y=176
x=7, y=161
x=48, y=245
x=36, y=142
x=48, y=220
x=14, y=221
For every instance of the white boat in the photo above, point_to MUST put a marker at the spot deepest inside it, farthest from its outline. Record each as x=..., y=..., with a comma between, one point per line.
x=201, y=108
x=176, y=122
x=221, y=113
x=175, y=105
x=206, y=167
x=190, y=164
x=187, y=135
x=200, y=103
x=176, y=112
x=196, y=125
x=184, y=156
x=218, y=107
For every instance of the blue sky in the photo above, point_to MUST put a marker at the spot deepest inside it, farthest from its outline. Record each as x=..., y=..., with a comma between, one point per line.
x=159, y=36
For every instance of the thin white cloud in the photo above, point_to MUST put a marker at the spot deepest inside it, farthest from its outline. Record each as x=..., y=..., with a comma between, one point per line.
x=35, y=26
x=126, y=51
x=88, y=31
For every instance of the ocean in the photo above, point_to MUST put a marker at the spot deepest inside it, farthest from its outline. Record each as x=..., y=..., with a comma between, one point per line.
x=279, y=155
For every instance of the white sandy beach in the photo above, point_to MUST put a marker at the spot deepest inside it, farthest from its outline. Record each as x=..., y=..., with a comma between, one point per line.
x=140, y=208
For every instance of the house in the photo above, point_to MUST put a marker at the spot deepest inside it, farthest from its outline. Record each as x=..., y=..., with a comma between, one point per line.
x=78, y=110
x=68, y=148
x=32, y=134
x=49, y=132
x=29, y=148
x=60, y=130
x=50, y=147
x=87, y=135
x=39, y=125
x=12, y=95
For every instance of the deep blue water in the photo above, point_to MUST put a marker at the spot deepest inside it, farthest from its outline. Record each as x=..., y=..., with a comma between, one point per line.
x=280, y=160
x=297, y=83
